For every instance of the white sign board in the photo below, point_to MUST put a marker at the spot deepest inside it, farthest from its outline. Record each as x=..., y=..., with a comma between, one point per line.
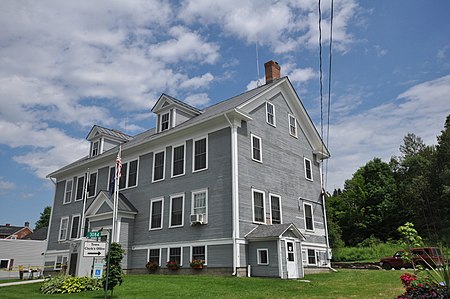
x=98, y=270
x=94, y=249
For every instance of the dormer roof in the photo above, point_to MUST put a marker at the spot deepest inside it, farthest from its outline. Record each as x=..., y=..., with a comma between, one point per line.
x=166, y=102
x=99, y=131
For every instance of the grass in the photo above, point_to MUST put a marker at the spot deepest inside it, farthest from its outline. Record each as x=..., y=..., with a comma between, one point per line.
x=343, y=284
x=367, y=254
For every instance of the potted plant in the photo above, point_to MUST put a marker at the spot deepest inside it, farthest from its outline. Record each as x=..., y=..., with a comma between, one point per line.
x=197, y=264
x=173, y=265
x=152, y=266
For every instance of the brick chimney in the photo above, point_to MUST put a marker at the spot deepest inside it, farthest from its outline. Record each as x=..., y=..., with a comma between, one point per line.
x=7, y=224
x=272, y=69
x=27, y=224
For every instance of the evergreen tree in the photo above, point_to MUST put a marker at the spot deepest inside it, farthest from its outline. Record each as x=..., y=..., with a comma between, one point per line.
x=44, y=220
x=115, y=276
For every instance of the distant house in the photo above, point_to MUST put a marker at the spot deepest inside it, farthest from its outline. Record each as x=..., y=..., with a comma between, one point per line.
x=237, y=184
x=15, y=232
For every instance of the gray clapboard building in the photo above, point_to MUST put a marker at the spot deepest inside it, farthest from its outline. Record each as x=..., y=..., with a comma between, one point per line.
x=237, y=185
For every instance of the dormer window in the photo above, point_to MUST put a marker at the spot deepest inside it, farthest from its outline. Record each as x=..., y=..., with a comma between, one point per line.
x=95, y=148
x=165, y=121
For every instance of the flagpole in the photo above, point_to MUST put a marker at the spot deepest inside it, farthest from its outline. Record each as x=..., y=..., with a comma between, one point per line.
x=118, y=174
x=83, y=214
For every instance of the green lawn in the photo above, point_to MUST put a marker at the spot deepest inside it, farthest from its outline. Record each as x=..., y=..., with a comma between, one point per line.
x=343, y=284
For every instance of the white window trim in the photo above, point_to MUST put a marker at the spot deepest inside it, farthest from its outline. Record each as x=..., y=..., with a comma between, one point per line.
x=71, y=226
x=295, y=125
x=312, y=216
x=260, y=148
x=182, y=211
x=65, y=192
x=274, y=116
x=259, y=258
x=164, y=168
x=63, y=257
x=76, y=189
x=306, y=160
x=270, y=206
x=161, y=121
x=95, y=187
x=173, y=161
x=161, y=199
x=205, y=190
x=193, y=154
x=128, y=174
x=206, y=253
x=307, y=257
x=93, y=147
x=181, y=254
x=60, y=226
x=9, y=261
x=253, y=206
x=148, y=254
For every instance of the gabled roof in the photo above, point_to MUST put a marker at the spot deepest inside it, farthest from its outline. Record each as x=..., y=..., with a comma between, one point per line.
x=9, y=230
x=97, y=130
x=274, y=231
x=39, y=234
x=165, y=100
x=105, y=197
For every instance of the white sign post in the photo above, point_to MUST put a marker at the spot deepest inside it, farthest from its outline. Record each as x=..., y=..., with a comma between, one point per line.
x=94, y=249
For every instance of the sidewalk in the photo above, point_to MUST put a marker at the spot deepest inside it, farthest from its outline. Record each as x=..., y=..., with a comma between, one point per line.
x=20, y=282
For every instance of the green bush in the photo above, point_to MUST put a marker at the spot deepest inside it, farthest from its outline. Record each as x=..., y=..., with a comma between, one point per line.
x=365, y=253
x=68, y=284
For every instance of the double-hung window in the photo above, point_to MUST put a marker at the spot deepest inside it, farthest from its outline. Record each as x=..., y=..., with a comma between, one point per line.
x=176, y=210
x=178, y=161
x=312, y=257
x=292, y=125
x=159, y=160
x=200, y=203
x=200, y=154
x=199, y=253
x=128, y=175
x=256, y=148
x=165, y=121
x=275, y=208
x=132, y=173
x=92, y=184
x=154, y=255
x=262, y=256
x=309, y=218
x=60, y=261
x=95, y=148
x=80, y=188
x=175, y=255
x=270, y=114
x=68, y=193
x=259, y=211
x=63, y=228
x=75, y=228
x=156, y=213
x=308, y=169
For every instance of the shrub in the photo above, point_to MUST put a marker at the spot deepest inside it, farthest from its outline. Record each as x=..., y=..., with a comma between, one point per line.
x=152, y=266
x=173, y=265
x=67, y=284
x=197, y=264
x=367, y=253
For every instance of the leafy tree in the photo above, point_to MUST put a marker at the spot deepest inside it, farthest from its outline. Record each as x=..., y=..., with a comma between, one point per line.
x=409, y=237
x=44, y=220
x=115, y=275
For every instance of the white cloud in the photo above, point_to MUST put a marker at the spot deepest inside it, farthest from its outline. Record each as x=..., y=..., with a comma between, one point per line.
x=197, y=82
x=356, y=139
x=198, y=100
x=6, y=185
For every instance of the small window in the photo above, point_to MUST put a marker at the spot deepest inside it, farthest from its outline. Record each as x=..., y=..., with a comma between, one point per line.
x=275, y=208
x=154, y=256
x=4, y=264
x=63, y=228
x=92, y=186
x=270, y=114
x=311, y=257
x=258, y=207
x=156, y=213
x=199, y=202
x=68, y=193
x=292, y=125
x=80, y=188
x=308, y=169
x=199, y=253
x=165, y=121
x=175, y=255
x=75, y=228
x=256, y=148
x=176, y=210
x=200, y=153
x=60, y=262
x=309, y=220
x=95, y=148
x=178, y=154
x=263, y=256
x=158, y=166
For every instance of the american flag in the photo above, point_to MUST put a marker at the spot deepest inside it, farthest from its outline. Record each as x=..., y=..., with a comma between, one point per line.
x=118, y=165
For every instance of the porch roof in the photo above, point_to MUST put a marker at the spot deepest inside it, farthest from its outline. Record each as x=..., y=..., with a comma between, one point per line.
x=274, y=231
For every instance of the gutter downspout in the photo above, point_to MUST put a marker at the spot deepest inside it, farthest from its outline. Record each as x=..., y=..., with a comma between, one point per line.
x=325, y=219
x=51, y=217
x=235, y=194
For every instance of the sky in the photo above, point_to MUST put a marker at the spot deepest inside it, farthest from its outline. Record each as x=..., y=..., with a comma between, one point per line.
x=68, y=65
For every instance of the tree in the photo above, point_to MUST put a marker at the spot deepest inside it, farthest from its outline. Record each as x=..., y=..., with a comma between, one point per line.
x=44, y=220
x=115, y=255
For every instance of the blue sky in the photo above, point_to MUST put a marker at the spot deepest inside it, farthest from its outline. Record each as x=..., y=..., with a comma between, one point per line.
x=67, y=65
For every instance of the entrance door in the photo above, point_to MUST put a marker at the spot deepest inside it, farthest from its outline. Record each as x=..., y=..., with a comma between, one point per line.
x=291, y=260
x=73, y=264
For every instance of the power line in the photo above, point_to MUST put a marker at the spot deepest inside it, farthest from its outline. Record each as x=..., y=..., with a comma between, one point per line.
x=329, y=85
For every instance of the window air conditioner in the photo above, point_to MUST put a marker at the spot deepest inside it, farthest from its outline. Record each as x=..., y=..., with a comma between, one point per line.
x=197, y=219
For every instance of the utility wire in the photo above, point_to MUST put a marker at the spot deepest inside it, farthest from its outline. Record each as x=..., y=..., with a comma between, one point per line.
x=329, y=87
x=321, y=83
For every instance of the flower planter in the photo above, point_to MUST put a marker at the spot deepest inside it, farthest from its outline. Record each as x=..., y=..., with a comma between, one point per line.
x=198, y=267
